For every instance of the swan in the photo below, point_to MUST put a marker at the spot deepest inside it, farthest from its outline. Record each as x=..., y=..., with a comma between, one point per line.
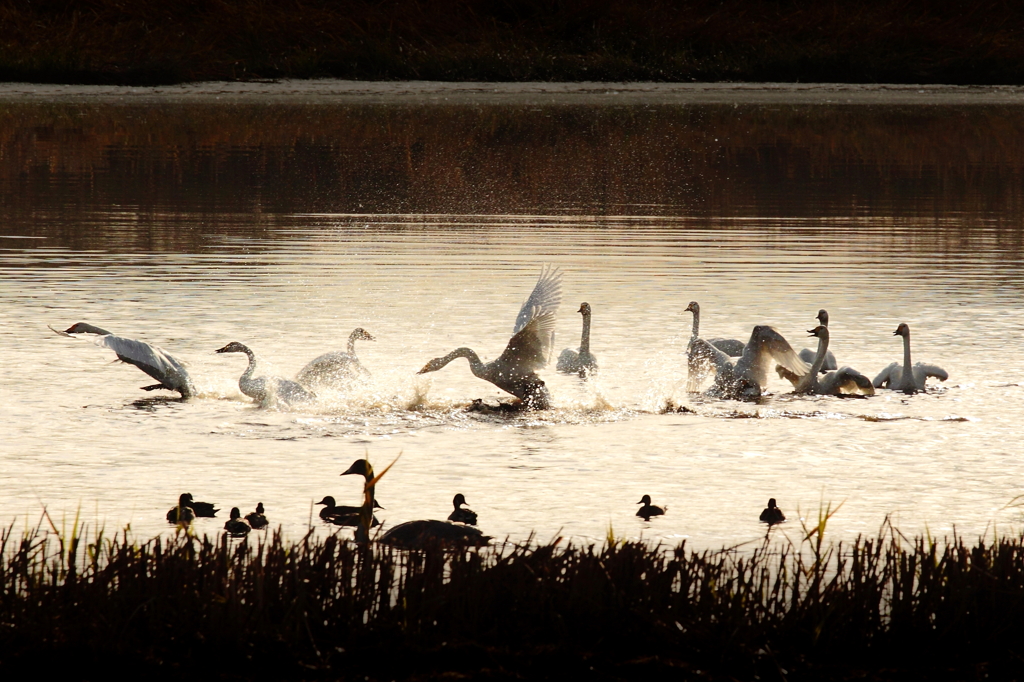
x=153, y=360
x=419, y=534
x=844, y=380
x=257, y=519
x=235, y=526
x=747, y=377
x=807, y=355
x=189, y=506
x=580, y=361
x=648, y=510
x=772, y=514
x=699, y=364
x=529, y=349
x=336, y=368
x=263, y=389
x=909, y=378
x=461, y=515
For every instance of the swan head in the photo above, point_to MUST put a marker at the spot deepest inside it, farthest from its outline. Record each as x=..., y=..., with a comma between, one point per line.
x=645, y=500
x=233, y=347
x=821, y=331
x=360, y=333
x=459, y=500
x=822, y=316
x=361, y=467
x=329, y=501
x=235, y=514
x=902, y=330
x=584, y=308
x=85, y=328
x=692, y=307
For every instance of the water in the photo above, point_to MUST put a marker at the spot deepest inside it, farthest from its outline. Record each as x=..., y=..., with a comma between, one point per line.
x=284, y=225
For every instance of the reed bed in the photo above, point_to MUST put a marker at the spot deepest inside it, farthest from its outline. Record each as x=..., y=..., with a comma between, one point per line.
x=885, y=607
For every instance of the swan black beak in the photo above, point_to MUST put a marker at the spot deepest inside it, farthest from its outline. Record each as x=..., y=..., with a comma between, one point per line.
x=810, y=332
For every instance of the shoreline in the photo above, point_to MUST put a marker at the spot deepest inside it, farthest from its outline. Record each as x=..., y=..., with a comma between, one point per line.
x=328, y=91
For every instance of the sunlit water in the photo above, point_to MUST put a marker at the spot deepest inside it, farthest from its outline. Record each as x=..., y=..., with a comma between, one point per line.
x=79, y=437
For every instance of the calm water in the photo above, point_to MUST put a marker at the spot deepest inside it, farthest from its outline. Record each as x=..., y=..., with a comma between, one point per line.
x=284, y=226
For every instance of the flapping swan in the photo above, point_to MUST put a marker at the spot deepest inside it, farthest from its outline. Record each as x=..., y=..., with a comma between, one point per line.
x=844, y=380
x=700, y=365
x=772, y=514
x=461, y=515
x=648, y=510
x=257, y=519
x=748, y=376
x=529, y=349
x=153, y=360
x=580, y=361
x=807, y=355
x=909, y=378
x=262, y=389
x=336, y=368
x=236, y=525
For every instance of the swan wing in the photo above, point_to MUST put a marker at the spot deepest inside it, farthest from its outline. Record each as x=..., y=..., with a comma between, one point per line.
x=545, y=298
x=703, y=358
x=530, y=348
x=153, y=360
x=888, y=376
x=846, y=380
x=731, y=347
x=922, y=371
x=768, y=346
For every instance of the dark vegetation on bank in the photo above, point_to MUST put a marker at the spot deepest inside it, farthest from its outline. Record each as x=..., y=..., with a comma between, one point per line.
x=152, y=42
x=881, y=608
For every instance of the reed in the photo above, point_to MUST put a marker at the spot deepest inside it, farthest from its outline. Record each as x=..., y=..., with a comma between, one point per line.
x=885, y=606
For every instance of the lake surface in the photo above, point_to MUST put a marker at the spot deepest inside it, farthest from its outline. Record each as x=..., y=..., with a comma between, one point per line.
x=286, y=224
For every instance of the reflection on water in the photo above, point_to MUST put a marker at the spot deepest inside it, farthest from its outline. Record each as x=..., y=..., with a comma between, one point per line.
x=286, y=227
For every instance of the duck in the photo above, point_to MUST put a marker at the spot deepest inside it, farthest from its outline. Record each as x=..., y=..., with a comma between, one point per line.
x=648, y=510
x=265, y=389
x=699, y=364
x=183, y=511
x=337, y=368
x=529, y=349
x=839, y=382
x=746, y=377
x=185, y=501
x=461, y=515
x=256, y=519
x=580, y=361
x=807, y=355
x=909, y=378
x=153, y=360
x=772, y=514
x=236, y=526
x=343, y=515
x=423, y=533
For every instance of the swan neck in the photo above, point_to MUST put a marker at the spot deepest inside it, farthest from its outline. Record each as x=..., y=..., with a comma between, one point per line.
x=247, y=374
x=475, y=365
x=907, y=365
x=585, y=338
x=696, y=324
x=819, y=358
x=351, y=344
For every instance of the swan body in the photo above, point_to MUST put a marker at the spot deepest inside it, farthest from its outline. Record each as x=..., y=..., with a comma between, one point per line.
x=265, y=389
x=845, y=380
x=153, y=360
x=580, y=361
x=236, y=526
x=772, y=514
x=337, y=368
x=187, y=506
x=257, y=519
x=529, y=349
x=419, y=534
x=909, y=378
x=461, y=515
x=648, y=510
x=699, y=364
x=748, y=375
x=807, y=355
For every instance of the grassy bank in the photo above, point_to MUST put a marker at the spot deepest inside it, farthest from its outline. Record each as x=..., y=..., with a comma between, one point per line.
x=147, y=42
x=882, y=608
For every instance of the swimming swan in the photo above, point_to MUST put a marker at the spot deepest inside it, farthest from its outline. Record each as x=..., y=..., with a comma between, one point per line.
x=580, y=361
x=336, y=368
x=908, y=378
x=529, y=349
x=845, y=380
x=263, y=389
x=699, y=365
x=747, y=377
x=153, y=360
x=807, y=355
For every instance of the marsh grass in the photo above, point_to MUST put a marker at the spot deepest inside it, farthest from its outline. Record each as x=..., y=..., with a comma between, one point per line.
x=150, y=42
x=888, y=605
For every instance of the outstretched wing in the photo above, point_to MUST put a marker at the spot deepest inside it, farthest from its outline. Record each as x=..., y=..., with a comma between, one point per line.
x=847, y=380
x=545, y=297
x=765, y=348
x=889, y=376
x=529, y=350
x=153, y=360
x=924, y=371
x=702, y=359
x=731, y=347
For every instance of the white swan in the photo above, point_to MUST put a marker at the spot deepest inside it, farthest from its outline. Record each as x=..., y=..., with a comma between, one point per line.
x=529, y=350
x=908, y=378
x=747, y=377
x=844, y=380
x=580, y=361
x=807, y=355
x=153, y=360
x=265, y=389
x=336, y=368
x=700, y=365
